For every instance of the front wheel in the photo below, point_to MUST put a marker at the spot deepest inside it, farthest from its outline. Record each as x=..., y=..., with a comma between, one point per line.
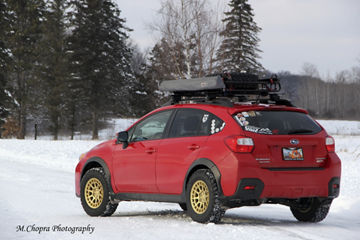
x=94, y=193
x=202, y=198
x=311, y=210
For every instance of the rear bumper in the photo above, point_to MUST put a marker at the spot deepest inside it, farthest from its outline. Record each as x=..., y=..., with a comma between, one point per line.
x=255, y=183
x=253, y=189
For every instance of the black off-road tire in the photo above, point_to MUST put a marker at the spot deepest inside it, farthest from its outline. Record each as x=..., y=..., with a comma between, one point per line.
x=106, y=208
x=214, y=211
x=313, y=210
x=183, y=206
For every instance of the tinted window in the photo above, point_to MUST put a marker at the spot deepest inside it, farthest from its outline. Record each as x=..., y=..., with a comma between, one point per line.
x=152, y=127
x=194, y=122
x=277, y=122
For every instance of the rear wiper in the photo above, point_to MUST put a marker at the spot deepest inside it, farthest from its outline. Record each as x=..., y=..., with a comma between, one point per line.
x=299, y=131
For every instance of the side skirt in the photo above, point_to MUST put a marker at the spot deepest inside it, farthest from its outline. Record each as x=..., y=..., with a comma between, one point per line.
x=147, y=197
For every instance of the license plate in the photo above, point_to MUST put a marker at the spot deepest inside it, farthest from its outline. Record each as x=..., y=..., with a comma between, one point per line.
x=293, y=154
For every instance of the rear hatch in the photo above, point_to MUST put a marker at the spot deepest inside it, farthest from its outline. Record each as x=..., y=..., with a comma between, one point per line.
x=284, y=140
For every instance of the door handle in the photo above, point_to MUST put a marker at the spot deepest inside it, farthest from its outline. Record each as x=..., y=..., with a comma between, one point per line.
x=193, y=147
x=150, y=150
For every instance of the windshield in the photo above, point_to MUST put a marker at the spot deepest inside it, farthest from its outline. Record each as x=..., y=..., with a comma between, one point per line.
x=277, y=122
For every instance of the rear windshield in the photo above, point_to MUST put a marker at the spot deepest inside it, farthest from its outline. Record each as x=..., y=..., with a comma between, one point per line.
x=277, y=122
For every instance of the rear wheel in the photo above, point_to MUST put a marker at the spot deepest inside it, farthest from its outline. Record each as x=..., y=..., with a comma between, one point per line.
x=202, y=198
x=94, y=193
x=311, y=210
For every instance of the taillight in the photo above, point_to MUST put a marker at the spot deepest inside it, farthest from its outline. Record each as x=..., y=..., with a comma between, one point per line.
x=330, y=144
x=240, y=144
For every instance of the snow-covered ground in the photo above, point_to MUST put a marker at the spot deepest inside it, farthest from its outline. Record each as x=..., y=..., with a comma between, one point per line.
x=37, y=192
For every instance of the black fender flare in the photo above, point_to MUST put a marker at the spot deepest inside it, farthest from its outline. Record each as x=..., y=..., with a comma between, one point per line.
x=95, y=162
x=202, y=163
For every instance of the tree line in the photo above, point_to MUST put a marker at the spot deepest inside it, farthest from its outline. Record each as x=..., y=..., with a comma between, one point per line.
x=70, y=64
x=64, y=61
x=325, y=97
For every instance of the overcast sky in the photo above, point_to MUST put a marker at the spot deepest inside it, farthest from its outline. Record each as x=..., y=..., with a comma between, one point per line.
x=322, y=32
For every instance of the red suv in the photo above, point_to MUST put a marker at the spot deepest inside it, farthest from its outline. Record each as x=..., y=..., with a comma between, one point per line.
x=210, y=156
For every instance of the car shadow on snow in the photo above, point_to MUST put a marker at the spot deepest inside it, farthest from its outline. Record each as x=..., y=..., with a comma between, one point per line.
x=161, y=213
x=228, y=219
x=237, y=219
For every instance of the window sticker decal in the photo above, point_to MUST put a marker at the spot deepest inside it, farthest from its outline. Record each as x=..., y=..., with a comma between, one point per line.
x=243, y=121
x=252, y=114
x=245, y=114
x=222, y=126
x=252, y=129
x=213, y=126
x=265, y=131
x=205, y=118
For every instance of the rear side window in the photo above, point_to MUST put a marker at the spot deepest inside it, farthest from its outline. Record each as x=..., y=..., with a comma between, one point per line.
x=194, y=122
x=277, y=122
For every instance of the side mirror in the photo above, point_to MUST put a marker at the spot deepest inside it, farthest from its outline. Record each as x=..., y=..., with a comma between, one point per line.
x=122, y=137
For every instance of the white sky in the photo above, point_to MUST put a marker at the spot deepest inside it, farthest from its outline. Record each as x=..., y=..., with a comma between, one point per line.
x=323, y=32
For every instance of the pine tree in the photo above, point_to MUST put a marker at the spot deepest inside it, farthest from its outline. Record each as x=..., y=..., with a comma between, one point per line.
x=167, y=62
x=100, y=59
x=239, y=48
x=54, y=66
x=24, y=34
x=144, y=93
x=4, y=58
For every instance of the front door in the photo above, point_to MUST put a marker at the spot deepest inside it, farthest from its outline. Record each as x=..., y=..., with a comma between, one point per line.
x=134, y=166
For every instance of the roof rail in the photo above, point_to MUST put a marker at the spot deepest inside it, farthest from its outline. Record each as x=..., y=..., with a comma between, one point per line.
x=225, y=89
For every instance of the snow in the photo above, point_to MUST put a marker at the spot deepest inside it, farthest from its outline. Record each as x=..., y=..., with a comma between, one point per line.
x=37, y=189
x=341, y=127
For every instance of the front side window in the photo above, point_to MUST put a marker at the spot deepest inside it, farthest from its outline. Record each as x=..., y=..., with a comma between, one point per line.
x=152, y=127
x=277, y=122
x=194, y=122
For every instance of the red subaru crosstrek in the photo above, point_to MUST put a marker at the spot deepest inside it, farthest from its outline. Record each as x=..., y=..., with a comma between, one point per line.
x=210, y=156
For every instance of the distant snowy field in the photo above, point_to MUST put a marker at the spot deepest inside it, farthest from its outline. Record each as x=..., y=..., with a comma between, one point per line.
x=341, y=127
x=37, y=187
x=333, y=127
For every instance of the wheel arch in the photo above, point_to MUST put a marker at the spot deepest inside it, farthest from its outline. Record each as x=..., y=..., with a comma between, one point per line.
x=202, y=163
x=96, y=162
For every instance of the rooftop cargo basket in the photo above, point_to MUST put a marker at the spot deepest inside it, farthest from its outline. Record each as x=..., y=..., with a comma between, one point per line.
x=225, y=89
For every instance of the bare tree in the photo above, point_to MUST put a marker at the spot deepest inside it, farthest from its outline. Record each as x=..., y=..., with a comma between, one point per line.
x=193, y=26
x=309, y=69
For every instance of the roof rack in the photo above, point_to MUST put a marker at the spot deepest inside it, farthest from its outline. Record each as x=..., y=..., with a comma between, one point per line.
x=225, y=89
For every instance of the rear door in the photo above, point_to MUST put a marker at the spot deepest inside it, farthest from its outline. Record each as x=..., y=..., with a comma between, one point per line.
x=187, y=136
x=284, y=139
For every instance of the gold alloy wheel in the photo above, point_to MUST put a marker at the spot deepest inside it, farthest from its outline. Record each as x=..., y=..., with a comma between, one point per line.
x=94, y=193
x=199, y=197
